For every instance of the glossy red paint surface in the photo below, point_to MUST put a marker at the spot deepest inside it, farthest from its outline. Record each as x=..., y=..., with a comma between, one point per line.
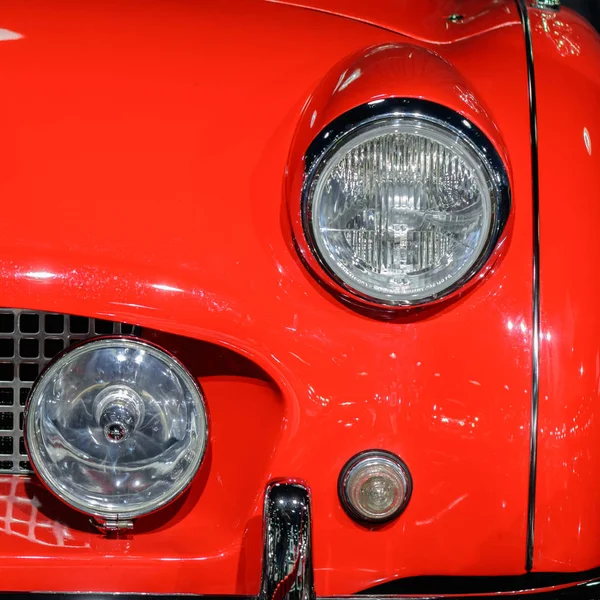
x=422, y=20
x=567, y=55
x=215, y=518
x=145, y=147
x=424, y=74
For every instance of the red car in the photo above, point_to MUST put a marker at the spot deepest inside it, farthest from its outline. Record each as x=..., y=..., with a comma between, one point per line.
x=300, y=298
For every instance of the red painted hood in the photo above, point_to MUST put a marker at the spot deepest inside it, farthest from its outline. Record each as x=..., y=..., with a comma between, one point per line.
x=143, y=160
x=425, y=20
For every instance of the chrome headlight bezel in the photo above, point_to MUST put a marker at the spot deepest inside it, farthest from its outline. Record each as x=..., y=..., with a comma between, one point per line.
x=329, y=141
x=41, y=470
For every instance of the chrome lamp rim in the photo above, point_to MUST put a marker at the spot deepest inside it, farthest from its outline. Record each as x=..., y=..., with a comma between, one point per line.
x=350, y=124
x=99, y=517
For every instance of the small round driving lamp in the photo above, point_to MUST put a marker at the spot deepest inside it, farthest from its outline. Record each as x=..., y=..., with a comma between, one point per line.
x=116, y=428
x=374, y=487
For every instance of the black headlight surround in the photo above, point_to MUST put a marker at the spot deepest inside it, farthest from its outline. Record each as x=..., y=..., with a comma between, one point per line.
x=329, y=140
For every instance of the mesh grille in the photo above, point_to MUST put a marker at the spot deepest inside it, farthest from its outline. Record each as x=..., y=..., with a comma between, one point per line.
x=28, y=341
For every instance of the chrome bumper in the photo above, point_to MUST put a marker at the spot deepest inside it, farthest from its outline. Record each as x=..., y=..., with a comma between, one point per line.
x=287, y=560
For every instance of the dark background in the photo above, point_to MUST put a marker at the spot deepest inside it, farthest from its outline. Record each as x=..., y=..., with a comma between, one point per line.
x=590, y=9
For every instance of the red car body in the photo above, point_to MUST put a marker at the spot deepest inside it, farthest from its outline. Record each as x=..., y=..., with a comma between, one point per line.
x=151, y=151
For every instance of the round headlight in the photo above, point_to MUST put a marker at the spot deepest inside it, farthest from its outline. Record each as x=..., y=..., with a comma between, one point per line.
x=406, y=205
x=116, y=428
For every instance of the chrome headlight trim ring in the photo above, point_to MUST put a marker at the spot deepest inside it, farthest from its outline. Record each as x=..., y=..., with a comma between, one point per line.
x=41, y=470
x=349, y=125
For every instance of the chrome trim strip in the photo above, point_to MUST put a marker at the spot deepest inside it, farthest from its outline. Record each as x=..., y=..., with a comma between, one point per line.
x=535, y=334
x=287, y=559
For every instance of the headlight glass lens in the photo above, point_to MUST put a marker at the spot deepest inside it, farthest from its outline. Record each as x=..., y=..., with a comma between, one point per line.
x=116, y=426
x=377, y=489
x=374, y=486
x=402, y=209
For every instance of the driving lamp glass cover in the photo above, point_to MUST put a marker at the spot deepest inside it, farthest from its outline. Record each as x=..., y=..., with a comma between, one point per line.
x=375, y=486
x=405, y=208
x=116, y=426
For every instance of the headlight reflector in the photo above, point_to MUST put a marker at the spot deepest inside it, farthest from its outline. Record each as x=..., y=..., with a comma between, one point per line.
x=405, y=207
x=116, y=426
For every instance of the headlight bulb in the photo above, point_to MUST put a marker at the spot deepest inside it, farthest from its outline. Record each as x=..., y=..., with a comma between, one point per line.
x=118, y=410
